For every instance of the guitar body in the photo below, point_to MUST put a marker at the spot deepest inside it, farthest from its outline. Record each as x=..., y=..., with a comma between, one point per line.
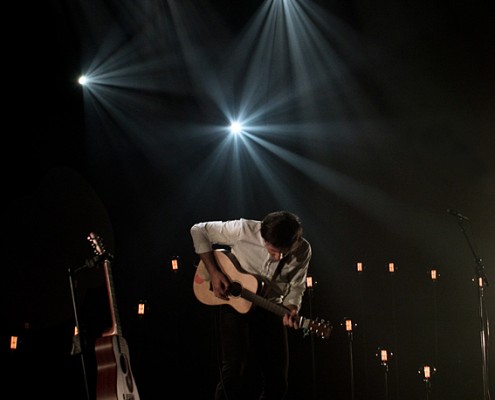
x=202, y=283
x=115, y=380
x=245, y=293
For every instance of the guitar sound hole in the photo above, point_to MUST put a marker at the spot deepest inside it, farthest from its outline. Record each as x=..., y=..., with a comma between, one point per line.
x=123, y=363
x=235, y=289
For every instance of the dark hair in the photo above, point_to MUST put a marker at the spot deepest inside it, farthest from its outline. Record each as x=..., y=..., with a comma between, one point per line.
x=281, y=229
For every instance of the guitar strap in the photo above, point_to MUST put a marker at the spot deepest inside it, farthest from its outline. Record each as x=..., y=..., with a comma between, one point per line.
x=280, y=265
x=271, y=282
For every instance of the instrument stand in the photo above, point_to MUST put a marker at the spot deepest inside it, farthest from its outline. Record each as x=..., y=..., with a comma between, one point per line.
x=482, y=283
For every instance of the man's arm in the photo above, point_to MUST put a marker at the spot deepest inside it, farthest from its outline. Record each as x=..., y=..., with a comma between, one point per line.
x=219, y=281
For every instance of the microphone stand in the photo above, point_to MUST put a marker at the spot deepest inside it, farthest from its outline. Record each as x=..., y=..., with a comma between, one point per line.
x=313, y=363
x=482, y=283
x=79, y=340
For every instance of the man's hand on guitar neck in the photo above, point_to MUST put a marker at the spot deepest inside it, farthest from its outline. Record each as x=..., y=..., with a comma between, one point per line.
x=219, y=281
x=291, y=319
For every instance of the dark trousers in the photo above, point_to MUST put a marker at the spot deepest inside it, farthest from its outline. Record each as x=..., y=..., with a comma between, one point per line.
x=255, y=355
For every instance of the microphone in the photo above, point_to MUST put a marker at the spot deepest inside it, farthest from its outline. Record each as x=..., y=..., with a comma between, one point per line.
x=457, y=214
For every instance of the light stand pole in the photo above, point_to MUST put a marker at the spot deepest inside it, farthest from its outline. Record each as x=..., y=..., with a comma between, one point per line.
x=481, y=283
x=383, y=355
x=392, y=273
x=434, y=275
x=427, y=372
x=360, y=267
x=348, y=328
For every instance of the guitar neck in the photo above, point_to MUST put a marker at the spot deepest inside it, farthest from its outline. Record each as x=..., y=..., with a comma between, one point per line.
x=115, y=328
x=264, y=303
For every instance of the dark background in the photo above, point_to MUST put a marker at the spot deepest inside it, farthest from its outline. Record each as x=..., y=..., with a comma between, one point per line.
x=397, y=129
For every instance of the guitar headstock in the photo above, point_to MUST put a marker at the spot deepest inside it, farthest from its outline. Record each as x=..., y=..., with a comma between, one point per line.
x=317, y=327
x=96, y=243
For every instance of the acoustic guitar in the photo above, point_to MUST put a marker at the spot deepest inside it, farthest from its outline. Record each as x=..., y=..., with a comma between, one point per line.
x=245, y=293
x=115, y=380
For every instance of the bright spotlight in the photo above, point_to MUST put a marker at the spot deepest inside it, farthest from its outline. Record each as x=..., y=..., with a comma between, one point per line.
x=83, y=80
x=235, y=127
